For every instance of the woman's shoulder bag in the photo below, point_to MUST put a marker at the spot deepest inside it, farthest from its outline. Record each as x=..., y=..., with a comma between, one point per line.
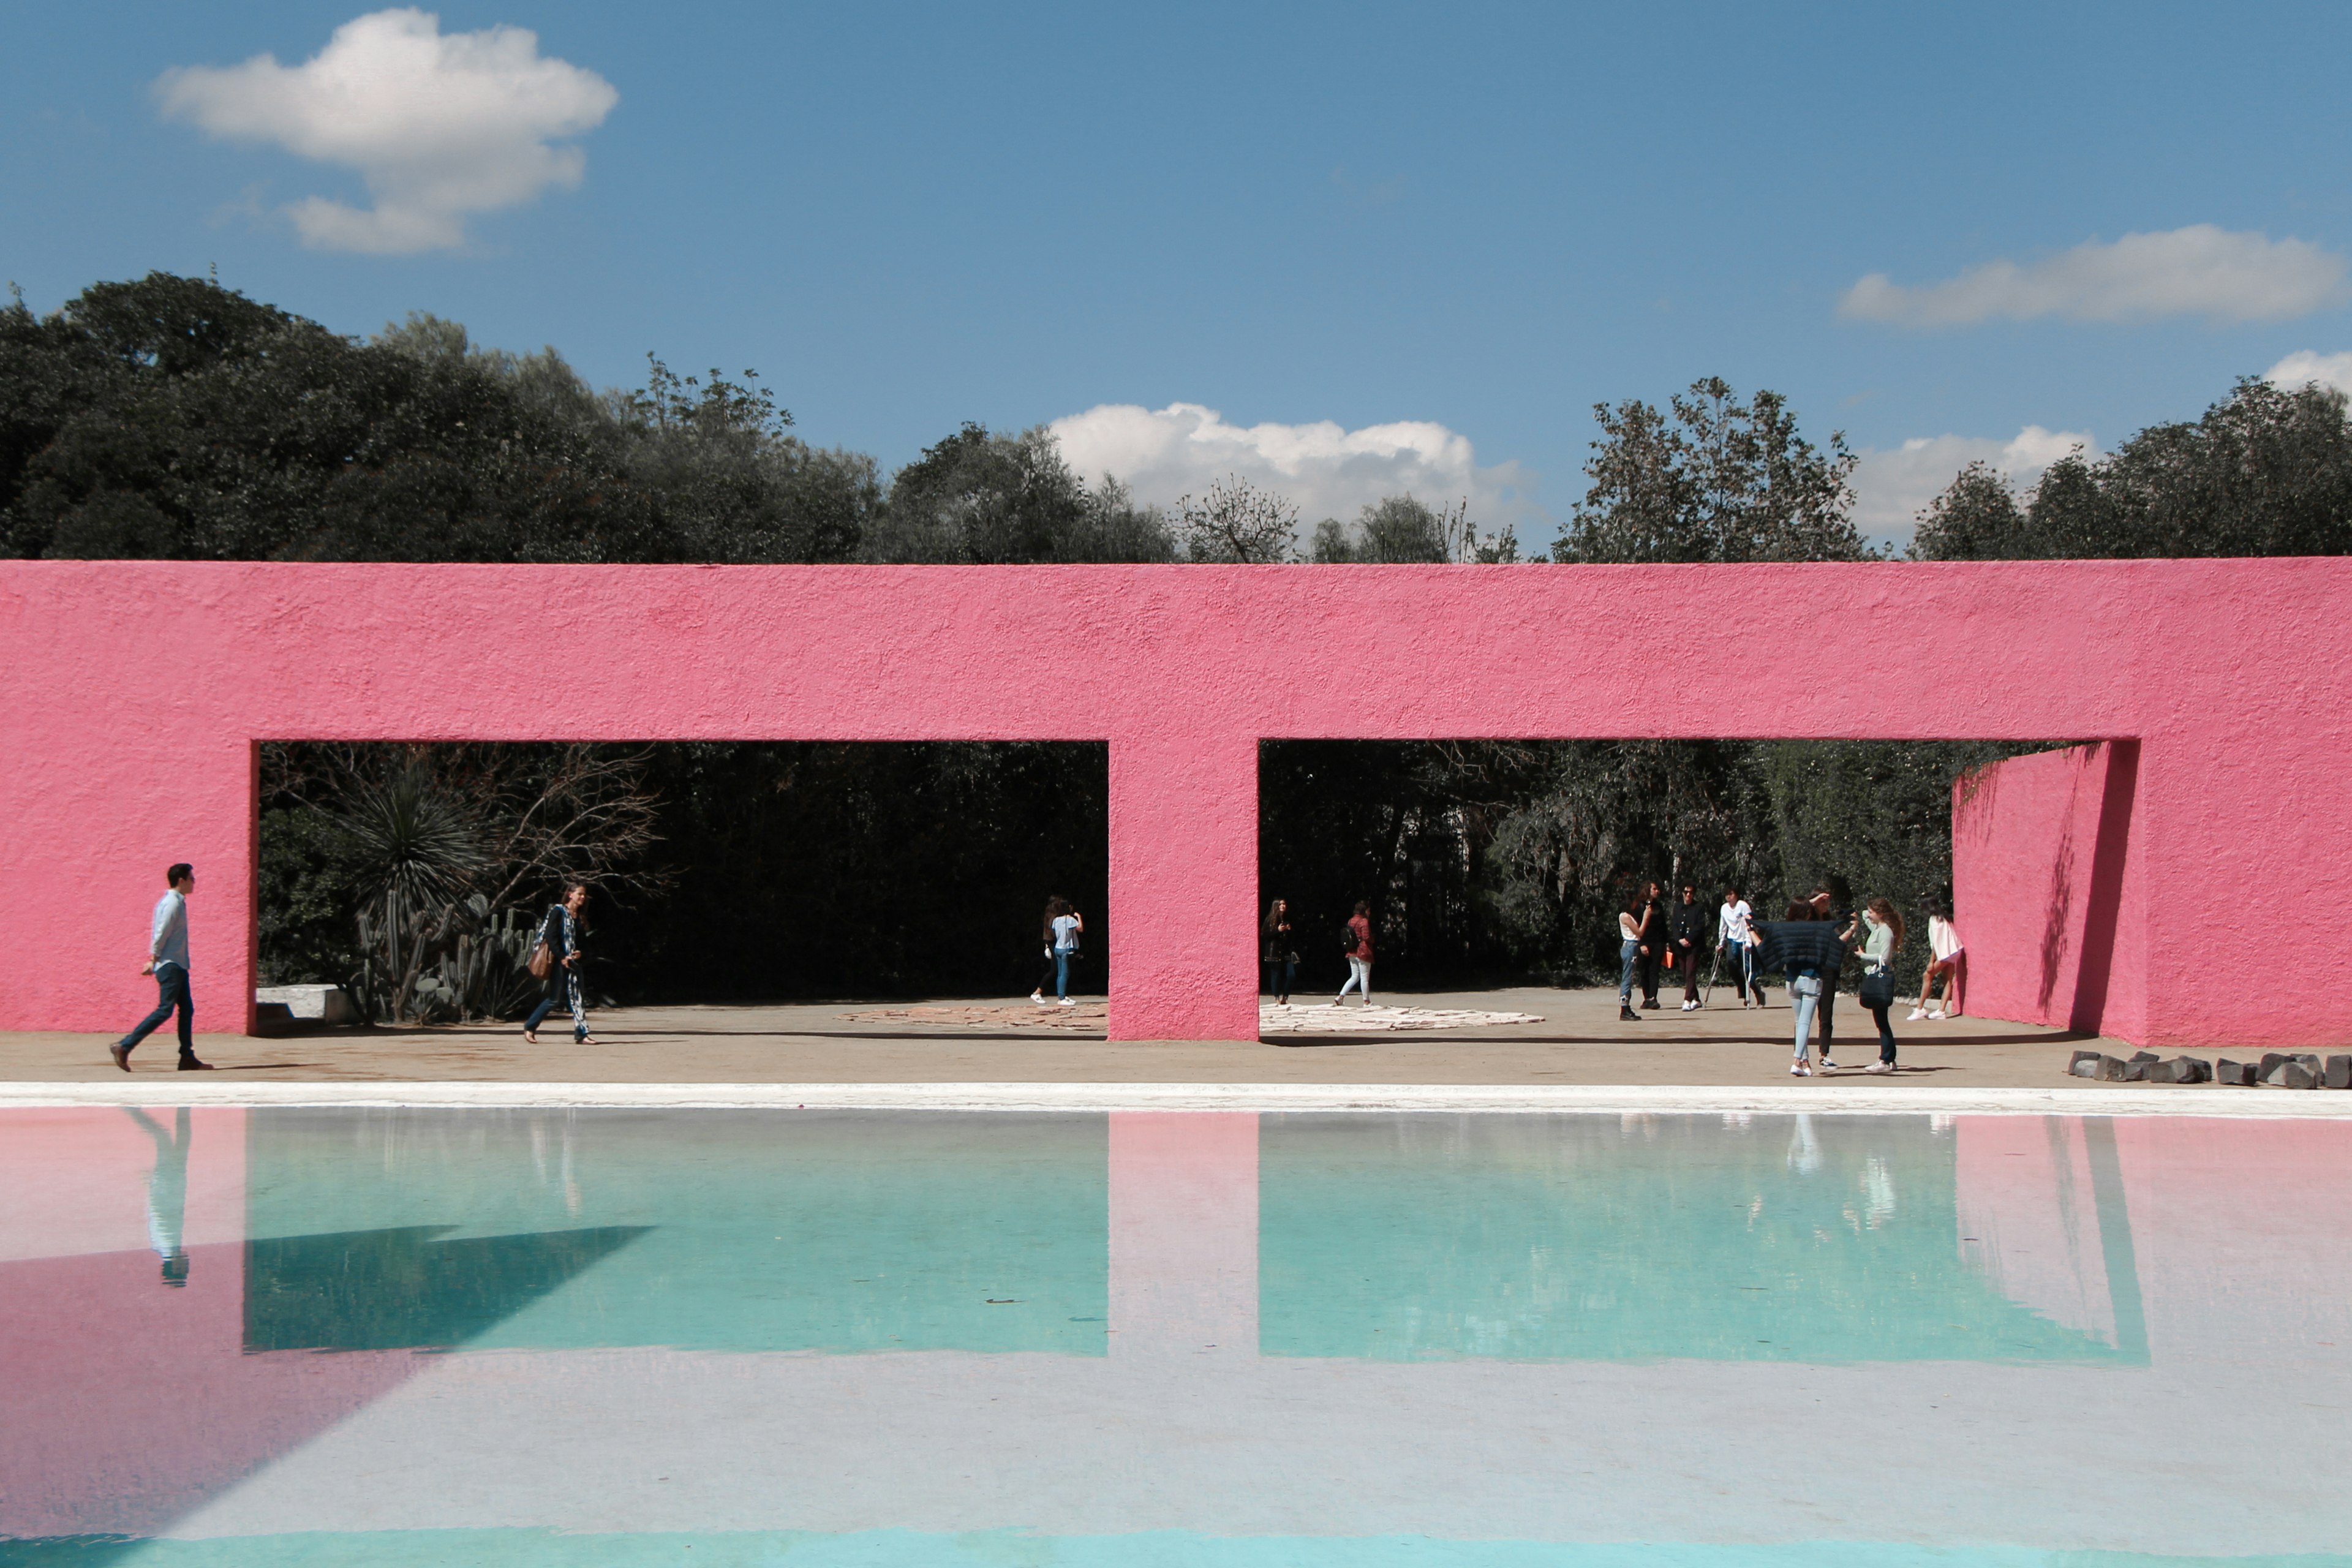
x=541, y=963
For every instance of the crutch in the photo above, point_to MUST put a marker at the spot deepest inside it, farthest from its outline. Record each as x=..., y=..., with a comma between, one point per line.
x=1707, y=992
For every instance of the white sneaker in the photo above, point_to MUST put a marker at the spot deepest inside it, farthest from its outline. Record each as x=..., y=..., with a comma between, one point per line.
x=1916, y=1014
x=1038, y=997
x=1828, y=1066
x=1937, y=1014
x=1801, y=1071
x=1880, y=1066
x=1069, y=1001
x=1690, y=1007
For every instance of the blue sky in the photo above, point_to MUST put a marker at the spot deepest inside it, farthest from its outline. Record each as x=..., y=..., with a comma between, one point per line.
x=1478, y=218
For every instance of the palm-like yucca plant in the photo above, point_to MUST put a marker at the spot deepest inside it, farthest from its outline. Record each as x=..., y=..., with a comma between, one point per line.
x=417, y=847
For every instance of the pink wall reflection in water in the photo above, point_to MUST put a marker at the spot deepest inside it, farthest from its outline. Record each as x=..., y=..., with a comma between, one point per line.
x=130, y=1399
x=1183, y=1231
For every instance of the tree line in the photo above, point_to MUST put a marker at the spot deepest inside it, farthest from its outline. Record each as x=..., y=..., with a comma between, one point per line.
x=170, y=418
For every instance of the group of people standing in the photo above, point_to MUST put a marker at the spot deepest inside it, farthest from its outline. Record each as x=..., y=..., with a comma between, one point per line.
x=1810, y=944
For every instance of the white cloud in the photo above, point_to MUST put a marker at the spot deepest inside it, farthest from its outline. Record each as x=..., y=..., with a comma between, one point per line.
x=2199, y=271
x=439, y=127
x=2303, y=367
x=1328, y=471
x=1892, y=485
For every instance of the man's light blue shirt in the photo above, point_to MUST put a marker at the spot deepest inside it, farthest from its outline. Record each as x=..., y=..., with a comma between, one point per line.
x=171, y=943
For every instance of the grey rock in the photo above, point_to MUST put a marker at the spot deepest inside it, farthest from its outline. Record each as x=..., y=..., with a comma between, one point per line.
x=2146, y=1057
x=2110, y=1069
x=2338, y=1073
x=2271, y=1061
x=2237, y=1075
x=2295, y=1075
x=2190, y=1070
x=2078, y=1064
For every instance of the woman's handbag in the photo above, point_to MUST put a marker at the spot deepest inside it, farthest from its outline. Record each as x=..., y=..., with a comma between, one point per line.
x=541, y=963
x=1877, y=989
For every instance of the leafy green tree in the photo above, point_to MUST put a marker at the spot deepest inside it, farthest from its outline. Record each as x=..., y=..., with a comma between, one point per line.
x=2266, y=471
x=982, y=500
x=1977, y=519
x=1711, y=479
x=733, y=484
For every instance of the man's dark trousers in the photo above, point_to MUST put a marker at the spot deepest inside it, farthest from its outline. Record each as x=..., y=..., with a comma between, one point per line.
x=172, y=993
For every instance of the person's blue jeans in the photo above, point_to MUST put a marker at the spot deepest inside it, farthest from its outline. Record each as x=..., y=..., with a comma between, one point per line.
x=1061, y=957
x=1629, y=959
x=1805, y=996
x=171, y=993
x=1281, y=975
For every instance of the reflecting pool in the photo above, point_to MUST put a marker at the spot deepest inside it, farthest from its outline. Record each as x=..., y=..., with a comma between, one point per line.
x=821, y=1338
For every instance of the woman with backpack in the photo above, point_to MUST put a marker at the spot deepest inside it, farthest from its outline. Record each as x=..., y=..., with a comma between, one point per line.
x=556, y=959
x=1063, y=927
x=1360, y=954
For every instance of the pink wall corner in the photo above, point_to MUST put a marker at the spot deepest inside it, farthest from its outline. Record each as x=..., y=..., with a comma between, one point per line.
x=2048, y=891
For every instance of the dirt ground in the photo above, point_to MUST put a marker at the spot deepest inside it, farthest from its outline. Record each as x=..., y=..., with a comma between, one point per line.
x=1579, y=1040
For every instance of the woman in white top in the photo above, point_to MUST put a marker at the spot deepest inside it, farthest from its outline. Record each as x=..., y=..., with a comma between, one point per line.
x=1943, y=962
x=1630, y=948
x=1735, y=940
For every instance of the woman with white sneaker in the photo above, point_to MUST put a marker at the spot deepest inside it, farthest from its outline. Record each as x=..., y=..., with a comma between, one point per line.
x=1692, y=924
x=1882, y=927
x=1062, y=926
x=1944, y=961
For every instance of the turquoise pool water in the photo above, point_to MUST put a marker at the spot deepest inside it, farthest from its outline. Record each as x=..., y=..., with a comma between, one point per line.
x=278, y=1336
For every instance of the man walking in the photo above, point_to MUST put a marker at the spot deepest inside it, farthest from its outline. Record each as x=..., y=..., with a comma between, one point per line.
x=167, y=960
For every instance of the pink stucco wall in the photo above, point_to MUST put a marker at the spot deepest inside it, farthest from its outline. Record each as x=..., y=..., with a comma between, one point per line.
x=2049, y=886
x=131, y=695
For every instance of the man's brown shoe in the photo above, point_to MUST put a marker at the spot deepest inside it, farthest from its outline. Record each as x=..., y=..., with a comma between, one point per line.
x=190, y=1064
x=121, y=1055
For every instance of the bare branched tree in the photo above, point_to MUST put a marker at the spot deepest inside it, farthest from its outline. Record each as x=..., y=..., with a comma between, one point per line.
x=1236, y=521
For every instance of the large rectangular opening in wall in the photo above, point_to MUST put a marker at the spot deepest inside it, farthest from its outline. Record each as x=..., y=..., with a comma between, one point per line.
x=1495, y=871
x=768, y=888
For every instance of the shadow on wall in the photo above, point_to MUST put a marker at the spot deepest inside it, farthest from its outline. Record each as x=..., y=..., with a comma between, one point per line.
x=2104, y=908
x=2042, y=861
x=2103, y=900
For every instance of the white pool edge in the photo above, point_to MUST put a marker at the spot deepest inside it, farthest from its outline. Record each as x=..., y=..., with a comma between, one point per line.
x=1844, y=1097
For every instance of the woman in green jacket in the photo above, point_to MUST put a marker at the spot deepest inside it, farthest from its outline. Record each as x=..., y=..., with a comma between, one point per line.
x=1882, y=928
